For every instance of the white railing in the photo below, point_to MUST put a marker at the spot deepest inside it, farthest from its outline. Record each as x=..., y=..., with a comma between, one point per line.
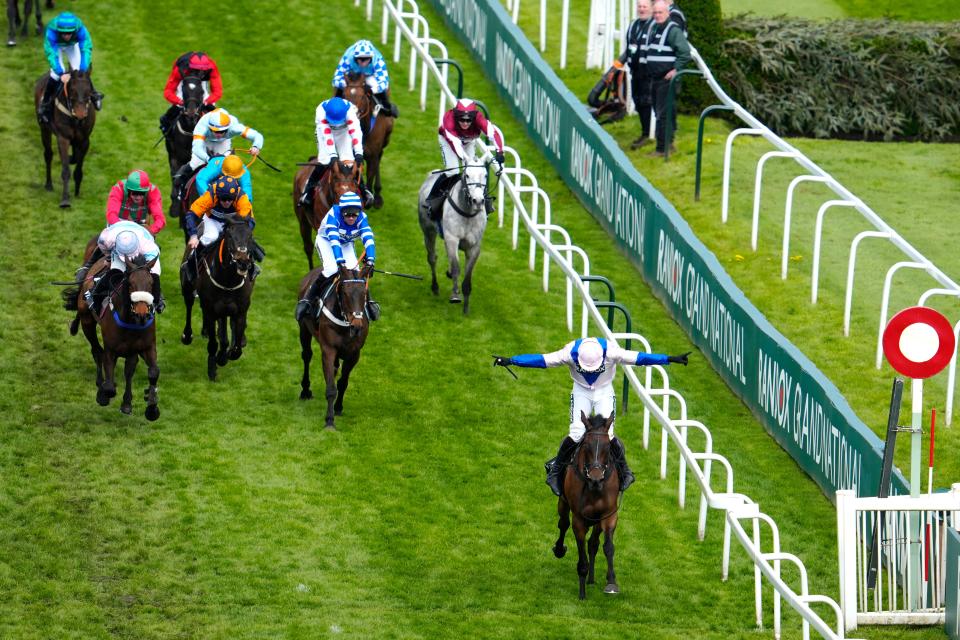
x=906, y=537
x=663, y=403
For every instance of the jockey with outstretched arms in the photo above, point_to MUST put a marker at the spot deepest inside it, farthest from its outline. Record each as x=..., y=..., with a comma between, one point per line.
x=593, y=366
x=225, y=166
x=362, y=58
x=344, y=223
x=223, y=198
x=338, y=138
x=191, y=64
x=459, y=132
x=125, y=242
x=213, y=137
x=66, y=42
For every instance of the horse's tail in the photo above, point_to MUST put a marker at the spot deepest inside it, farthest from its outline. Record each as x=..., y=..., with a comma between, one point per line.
x=75, y=325
x=70, y=298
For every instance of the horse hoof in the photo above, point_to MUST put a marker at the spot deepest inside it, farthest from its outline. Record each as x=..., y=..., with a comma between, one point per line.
x=222, y=359
x=612, y=588
x=377, y=202
x=212, y=375
x=338, y=412
x=235, y=354
x=455, y=299
x=126, y=409
x=102, y=399
x=152, y=412
x=306, y=394
x=48, y=186
x=64, y=204
x=560, y=550
x=185, y=339
x=330, y=427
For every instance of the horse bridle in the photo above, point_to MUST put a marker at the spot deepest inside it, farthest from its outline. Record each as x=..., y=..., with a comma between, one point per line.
x=464, y=209
x=230, y=259
x=587, y=468
x=68, y=105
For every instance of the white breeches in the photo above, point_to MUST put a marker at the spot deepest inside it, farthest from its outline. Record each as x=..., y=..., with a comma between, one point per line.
x=116, y=262
x=343, y=144
x=602, y=402
x=328, y=259
x=210, y=230
x=214, y=148
x=450, y=158
x=69, y=55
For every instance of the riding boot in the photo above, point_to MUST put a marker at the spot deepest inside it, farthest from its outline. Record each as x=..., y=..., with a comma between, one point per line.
x=45, y=108
x=488, y=204
x=367, y=194
x=81, y=274
x=180, y=179
x=555, y=466
x=159, y=304
x=96, y=96
x=305, y=304
x=306, y=198
x=388, y=107
x=101, y=289
x=373, y=309
x=168, y=119
x=620, y=459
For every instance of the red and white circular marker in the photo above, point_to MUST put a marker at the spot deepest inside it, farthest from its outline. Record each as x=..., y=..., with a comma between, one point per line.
x=918, y=342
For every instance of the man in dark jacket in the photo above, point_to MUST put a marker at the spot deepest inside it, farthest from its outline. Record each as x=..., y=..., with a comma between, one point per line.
x=667, y=53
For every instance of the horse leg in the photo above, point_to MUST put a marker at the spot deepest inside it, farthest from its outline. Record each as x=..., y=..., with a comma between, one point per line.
x=63, y=146
x=221, y=336
x=129, y=367
x=306, y=354
x=306, y=235
x=12, y=20
x=373, y=178
x=210, y=327
x=342, y=383
x=153, y=375
x=46, y=137
x=187, y=291
x=563, y=510
x=237, y=323
x=430, y=242
x=592, y=547
x=79, y=153
x=609, y=526
x=108, y=388
x=89, y=326
x=472, y=254
x=453, y=258
x=329, y=374
x=583, y=564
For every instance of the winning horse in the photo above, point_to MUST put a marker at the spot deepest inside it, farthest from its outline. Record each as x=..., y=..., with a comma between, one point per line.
x=342, y=176
x=376, y=138
x=461, y=222
x=591, y=486
x=128, y=329
x=72, y=122
x=341, y=329
x=13, y=17
x=224, y=284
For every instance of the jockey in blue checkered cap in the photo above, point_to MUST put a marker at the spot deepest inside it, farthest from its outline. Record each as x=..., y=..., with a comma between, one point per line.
x=362, y=58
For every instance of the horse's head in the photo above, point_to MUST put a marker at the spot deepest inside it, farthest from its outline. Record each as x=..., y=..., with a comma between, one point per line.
x=594, y=459
x=140, y=289
x=192, y=89
x=238, y=243
x=474, y=184
x=344, y=176
x=352, y=296
x=358, y=93
x=79, y=94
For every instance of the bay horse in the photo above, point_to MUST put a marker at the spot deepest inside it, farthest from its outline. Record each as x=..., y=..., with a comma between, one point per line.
x=591, y=486
x=128, y=329
x=341, y=330
x=375, y=139
x=72, y=122
x=224, y=284
x=342, y=176
x=15, y=20
x=461, y=224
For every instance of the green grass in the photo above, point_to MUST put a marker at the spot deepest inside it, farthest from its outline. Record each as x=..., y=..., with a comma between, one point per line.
x=235, y=515
x=922, y=10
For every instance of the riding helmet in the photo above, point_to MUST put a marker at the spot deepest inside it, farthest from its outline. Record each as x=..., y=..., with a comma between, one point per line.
x=137, y=181
x=350, y=201
x=126, y=244
x=227, y=188
x=232, y=166
x=465, y=110
x=590, y=355
x=336, y=110
x=363, y=49
x=218, y=120
x=66, y=22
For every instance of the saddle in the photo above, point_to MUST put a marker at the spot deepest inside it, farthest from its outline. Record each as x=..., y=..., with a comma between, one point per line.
x=441, y=188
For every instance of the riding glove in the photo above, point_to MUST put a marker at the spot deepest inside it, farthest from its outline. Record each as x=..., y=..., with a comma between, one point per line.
x=682, y=359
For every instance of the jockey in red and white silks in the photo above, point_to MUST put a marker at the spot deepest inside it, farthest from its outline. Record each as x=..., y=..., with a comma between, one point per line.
x=459, y=131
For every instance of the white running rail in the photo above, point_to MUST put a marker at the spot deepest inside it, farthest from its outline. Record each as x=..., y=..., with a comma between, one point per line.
x=663, y=403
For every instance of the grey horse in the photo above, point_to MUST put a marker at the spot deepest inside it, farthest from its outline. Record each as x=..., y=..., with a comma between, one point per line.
x=463, y=220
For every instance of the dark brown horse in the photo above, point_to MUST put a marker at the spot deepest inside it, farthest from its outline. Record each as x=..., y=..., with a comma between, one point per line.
x=128, y=329
x=179, y=138
x=342, y=176
x=591, y=487
x=224, y=284
x=375, y=140
x=72, y=122
x=341, y=330
x=15, y=20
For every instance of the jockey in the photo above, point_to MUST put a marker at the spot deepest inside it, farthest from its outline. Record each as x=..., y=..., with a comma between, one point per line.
x=362, y=58
x=593, y=366
x=228, y=166
x=213, y=137
x=338, y=138
x=192, y=63
x=459, y=131
x=344, y=223
x=66, y=41
x=221, y=199
x=134, y=199
x=124, y=241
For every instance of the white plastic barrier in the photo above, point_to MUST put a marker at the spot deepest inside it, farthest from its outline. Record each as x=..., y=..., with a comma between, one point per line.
x=658, y=401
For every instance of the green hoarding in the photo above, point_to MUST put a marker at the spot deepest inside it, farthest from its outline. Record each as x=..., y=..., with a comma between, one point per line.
x=952, y=585
x=794, y=401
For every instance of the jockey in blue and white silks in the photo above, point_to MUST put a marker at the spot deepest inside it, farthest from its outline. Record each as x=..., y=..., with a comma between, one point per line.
x=362, y=58
x=593, y=365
